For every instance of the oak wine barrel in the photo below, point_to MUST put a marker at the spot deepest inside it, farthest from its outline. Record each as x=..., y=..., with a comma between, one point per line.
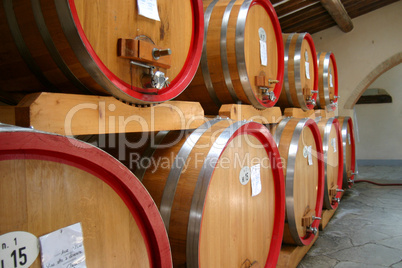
x=206, y=187
x=333, y=159
x=349, y=151
x=300, y=85
x=327, y=81
x=242, y=56
x=300, y=146
x=50, y=182
x=99, y=47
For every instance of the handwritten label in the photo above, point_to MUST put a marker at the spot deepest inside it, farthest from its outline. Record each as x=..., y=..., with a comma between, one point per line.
x=263, y=47
x=244, y=176
x=149, y=9
x=256, y=180
x=308, y=154
x=333, y=143
x=263, y=53
x=307, y=66
x=18, y=249
x=331, y=84
x=350, y=142
x=63, y=248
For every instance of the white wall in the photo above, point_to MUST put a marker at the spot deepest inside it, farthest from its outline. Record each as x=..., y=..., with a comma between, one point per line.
x=380, y=125
x=362, y=55
x=376, y=37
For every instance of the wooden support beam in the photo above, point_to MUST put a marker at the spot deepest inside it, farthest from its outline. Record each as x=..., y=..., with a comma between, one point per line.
x=241, y=112
x=338, y=12
x=7, y=115
x=69, y=114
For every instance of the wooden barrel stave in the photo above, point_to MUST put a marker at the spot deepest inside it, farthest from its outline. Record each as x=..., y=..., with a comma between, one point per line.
x=196, y=189
x=59, y=181
x=70, y=50
x=327, y=81
x=333, y=159
x=304, y=183
x=349, y=151
x=231, y=55
x=299, y=90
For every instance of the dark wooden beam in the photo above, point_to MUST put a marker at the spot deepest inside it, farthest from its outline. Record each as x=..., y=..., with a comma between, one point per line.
x=338, y=12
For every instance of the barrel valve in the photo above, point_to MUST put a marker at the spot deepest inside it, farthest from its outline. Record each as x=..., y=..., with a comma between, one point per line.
x=267, y=92
x=314, y=91
x=316, y=218
x=311, y=102
x=157, y=53
x=152, y=79
x=312, y=230
x=272, y=81
x=340, y=190
x=337, y=200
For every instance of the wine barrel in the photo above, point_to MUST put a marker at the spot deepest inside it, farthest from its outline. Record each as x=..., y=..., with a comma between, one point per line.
x=50, y=182
x=242, y=56
x=349, y=151
x=333, y=159
x=99, y=47
x=300, y=85
x=327, y=81
x=202, y=187
x=300, y=146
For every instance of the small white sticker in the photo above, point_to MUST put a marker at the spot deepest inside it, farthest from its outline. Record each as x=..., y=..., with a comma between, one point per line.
x=255, y=180
x=18, y=249
x=310, y=155
x=63, y=248
x=263, y=53
x=149, y=9
x=350, y=142
x=307, y=66
x=244, y=176
x=330, y=81
x=307, y=154
x=263, y=46
x=333, y=143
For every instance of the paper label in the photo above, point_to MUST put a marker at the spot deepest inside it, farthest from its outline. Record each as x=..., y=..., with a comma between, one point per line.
x=307, y=66
x=330, y=81
x=307, y=154
x=333, y=143
x=149, y=9
x=350, y=142
x=18, y=249
x=244, y=176
x=255, y=180
x=263, y=46
x=263, y=53
x=310, y=155
x=63, y=248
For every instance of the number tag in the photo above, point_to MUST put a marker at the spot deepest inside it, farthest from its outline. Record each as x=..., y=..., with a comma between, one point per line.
x=18, y=249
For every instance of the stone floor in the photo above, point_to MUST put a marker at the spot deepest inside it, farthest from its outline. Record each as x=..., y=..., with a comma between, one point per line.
x=366, y=230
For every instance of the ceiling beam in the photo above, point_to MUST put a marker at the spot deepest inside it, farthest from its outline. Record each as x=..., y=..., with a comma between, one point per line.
x=338, y=12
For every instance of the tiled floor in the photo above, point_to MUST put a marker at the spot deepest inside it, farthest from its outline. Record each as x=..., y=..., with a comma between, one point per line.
x=366, y=230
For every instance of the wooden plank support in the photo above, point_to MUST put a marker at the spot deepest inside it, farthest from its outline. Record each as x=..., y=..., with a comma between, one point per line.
x=339, y=14
x=7, y=115
x=70, y=114
x=299, y=113
x=241, y=112
x=324, y=113
x=290, y=255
